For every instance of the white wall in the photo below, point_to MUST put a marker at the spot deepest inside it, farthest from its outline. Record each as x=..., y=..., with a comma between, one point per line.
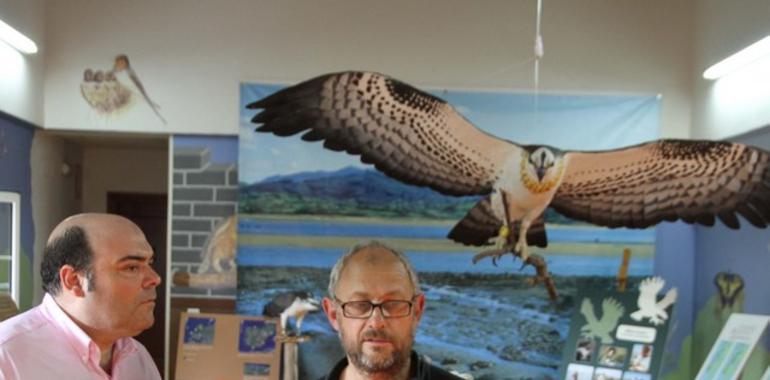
x=191, y=56
x=740, y=102
x=122, y=170
x=53, y=194
x=21, y=76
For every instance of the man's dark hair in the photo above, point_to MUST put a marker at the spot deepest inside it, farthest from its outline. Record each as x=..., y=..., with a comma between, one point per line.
x=72, y=249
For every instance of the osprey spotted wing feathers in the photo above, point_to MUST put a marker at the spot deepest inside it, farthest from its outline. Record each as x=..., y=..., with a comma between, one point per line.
x=408, y=134
x=421, y=140
x=643, y=185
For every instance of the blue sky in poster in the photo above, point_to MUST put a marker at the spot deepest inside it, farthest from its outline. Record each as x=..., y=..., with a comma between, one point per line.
x=566, y=121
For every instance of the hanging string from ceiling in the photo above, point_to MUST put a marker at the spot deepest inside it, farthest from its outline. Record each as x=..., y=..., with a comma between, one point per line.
x=519, y=64
x=538, y=57
x=538, y=43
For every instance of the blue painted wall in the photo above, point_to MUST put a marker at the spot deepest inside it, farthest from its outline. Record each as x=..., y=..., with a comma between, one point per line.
x=675, y=261
x=744, y=252
x=15, y=175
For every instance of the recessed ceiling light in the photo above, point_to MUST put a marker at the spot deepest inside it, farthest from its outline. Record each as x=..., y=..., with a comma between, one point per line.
x=14, y=38
x=740, y=59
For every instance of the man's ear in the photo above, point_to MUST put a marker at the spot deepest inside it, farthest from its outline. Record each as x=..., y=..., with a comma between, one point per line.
x=72, y=281
x=331, y=313
x=419, y=306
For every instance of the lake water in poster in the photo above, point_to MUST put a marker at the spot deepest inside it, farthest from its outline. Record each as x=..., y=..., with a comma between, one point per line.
x=481, y=319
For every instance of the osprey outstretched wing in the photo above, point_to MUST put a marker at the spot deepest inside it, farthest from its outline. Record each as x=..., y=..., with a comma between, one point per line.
x=643, y=185
x=419, y=139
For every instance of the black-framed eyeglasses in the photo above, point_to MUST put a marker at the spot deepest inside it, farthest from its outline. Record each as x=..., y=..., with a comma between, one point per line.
x=365, y=309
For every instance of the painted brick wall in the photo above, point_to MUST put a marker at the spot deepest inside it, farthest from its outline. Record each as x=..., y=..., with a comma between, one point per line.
x=204, y=194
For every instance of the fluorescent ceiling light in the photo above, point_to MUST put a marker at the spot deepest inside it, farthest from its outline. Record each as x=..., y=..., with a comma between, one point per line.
x=14, y=38
x=742, y=58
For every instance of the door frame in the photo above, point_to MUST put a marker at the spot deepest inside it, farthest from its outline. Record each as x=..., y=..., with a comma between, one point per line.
x=111, y=198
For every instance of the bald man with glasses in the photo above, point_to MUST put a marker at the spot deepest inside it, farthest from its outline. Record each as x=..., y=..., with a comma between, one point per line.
x=375, y=304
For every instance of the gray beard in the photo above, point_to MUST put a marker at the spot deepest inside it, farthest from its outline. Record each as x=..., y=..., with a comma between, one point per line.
x=392, y=364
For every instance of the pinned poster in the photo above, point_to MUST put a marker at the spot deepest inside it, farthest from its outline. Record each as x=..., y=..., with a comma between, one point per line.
x=227, y=346
x=735, y=343
x=619, y=336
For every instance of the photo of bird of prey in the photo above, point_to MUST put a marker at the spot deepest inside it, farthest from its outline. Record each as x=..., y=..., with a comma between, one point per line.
x=422, y=140
x=291, y=304
x=602, y=328
x=649, y=306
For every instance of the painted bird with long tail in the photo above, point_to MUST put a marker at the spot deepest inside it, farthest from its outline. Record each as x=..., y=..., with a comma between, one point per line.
x=422, y=140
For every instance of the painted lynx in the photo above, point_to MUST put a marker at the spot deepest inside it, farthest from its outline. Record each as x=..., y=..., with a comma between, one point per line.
x=220, y=247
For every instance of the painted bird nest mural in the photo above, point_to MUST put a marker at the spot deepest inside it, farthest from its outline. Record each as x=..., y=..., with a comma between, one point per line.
x=111, y=91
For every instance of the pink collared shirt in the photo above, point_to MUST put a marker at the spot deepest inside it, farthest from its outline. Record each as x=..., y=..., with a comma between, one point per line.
x=44, y=343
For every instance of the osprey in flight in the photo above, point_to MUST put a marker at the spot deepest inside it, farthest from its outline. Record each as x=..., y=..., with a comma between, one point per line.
x=421, y=140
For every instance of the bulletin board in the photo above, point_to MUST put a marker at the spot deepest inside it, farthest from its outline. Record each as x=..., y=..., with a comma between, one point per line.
x=618, y=336
x=227, y=346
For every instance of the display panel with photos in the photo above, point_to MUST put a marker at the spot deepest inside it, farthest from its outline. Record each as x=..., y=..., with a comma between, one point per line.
x=619, y=335
x=227, y=346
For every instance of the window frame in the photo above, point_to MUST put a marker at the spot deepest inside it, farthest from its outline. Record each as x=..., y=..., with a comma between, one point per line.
x=14, y=199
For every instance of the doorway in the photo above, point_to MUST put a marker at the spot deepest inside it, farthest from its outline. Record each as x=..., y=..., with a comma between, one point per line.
x=148, y=211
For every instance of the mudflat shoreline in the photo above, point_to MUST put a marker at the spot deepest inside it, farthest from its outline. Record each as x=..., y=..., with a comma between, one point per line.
x=494, y=326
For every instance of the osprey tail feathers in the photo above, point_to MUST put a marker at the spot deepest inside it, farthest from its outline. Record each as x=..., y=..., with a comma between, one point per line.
x=480, y=225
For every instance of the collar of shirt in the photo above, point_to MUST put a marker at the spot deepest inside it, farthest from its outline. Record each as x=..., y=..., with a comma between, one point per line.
x=86, y=348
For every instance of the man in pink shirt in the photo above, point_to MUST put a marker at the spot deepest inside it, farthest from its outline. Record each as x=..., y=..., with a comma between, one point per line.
x=100, y=292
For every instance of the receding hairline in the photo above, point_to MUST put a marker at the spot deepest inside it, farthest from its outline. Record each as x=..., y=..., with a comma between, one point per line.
x=373, y=255
x=93, y=225
x=367, y=246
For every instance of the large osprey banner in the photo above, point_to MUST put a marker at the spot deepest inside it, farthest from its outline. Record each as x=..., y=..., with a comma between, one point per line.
x=303, y=202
